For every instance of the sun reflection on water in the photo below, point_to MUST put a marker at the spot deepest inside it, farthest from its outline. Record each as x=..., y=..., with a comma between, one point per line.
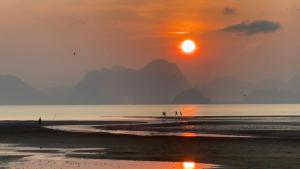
x=189, y=165
x=189, y=110
x=188, y=134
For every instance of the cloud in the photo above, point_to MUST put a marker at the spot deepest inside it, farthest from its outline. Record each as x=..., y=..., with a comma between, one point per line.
x=229, y=11
x=254, y=27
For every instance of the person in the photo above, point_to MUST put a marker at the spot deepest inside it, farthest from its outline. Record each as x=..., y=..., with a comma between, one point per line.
x=164, y=114
x=40, y=122
x=176, y=113
x=180, y=113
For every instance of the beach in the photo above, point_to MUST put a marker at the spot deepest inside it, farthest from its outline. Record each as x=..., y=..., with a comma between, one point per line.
x=250, y=149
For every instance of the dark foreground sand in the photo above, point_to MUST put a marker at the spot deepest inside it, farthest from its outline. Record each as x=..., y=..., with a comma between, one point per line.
x=242, y=153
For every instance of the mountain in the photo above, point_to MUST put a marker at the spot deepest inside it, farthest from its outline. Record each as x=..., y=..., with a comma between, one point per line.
x=159, y=82
x=15, y=91
x=58, y=94
x=294, y=84
x=191, y=96
x=276, y=91
x=269, y=84
x=226, y=90
x=156, y=83
x=272, y=96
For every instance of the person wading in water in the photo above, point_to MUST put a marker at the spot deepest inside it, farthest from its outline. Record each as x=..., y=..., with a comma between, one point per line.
x=40, y=122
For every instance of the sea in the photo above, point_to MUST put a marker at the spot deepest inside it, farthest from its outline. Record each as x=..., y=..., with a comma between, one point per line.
x=120, y=112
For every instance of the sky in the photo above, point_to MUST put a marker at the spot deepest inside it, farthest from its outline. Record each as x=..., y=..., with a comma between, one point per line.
x=247, y=39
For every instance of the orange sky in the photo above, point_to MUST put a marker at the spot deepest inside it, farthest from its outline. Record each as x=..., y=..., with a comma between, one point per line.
x=39, y=37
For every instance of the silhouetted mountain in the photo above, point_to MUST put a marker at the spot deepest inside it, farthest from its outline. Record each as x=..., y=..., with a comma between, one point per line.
x=157, y=82
x=294, y=84
x=227, y=90
x=14, y=91
x=191, y=96
x=272, y=96
x=272, y=84
x=276, y=91
x=58, y=94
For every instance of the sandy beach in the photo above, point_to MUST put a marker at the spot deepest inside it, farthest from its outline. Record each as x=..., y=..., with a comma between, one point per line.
x=252, y=152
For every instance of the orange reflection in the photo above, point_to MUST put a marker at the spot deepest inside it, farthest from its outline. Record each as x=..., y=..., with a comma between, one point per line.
x=189, y=165
x=189, y=110
x=187, y=134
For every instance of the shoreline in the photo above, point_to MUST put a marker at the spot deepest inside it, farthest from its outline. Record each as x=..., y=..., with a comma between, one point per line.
x=232, y=152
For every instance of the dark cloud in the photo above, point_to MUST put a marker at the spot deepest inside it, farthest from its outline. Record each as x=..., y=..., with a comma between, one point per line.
x=229, y=11
x=254, y=27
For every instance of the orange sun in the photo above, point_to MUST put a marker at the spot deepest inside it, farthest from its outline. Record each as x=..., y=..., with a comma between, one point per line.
x=188, y=46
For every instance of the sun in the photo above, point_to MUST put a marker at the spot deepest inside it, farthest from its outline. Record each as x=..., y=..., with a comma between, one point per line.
x=188, y=46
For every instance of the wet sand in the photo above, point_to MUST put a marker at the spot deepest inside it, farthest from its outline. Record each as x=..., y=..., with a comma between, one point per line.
x=260, y=153
x=72, y=163
x=262, y=127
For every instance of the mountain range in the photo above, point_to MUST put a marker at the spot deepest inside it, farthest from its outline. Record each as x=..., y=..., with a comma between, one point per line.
x=158, y=82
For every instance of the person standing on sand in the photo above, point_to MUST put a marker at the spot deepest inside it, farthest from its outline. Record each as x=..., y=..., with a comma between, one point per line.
x=176, y=114
x=40, y=122
x=180, y=114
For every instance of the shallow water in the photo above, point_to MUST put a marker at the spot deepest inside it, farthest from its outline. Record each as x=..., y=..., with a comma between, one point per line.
x=72, y=163
x=87, y=128
x=220, y=127
x=221, y=118
x=119, y=112
x=56, y=159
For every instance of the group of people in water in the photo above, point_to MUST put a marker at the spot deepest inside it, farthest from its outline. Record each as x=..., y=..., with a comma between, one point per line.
x=177, y=114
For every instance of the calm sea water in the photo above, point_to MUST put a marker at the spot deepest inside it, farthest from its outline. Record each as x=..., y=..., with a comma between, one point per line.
x=103, y=112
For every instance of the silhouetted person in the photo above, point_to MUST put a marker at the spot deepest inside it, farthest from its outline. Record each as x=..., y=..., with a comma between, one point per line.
x=176, y=113
x=164, y=114
x=40, y=122
x=181, y=114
